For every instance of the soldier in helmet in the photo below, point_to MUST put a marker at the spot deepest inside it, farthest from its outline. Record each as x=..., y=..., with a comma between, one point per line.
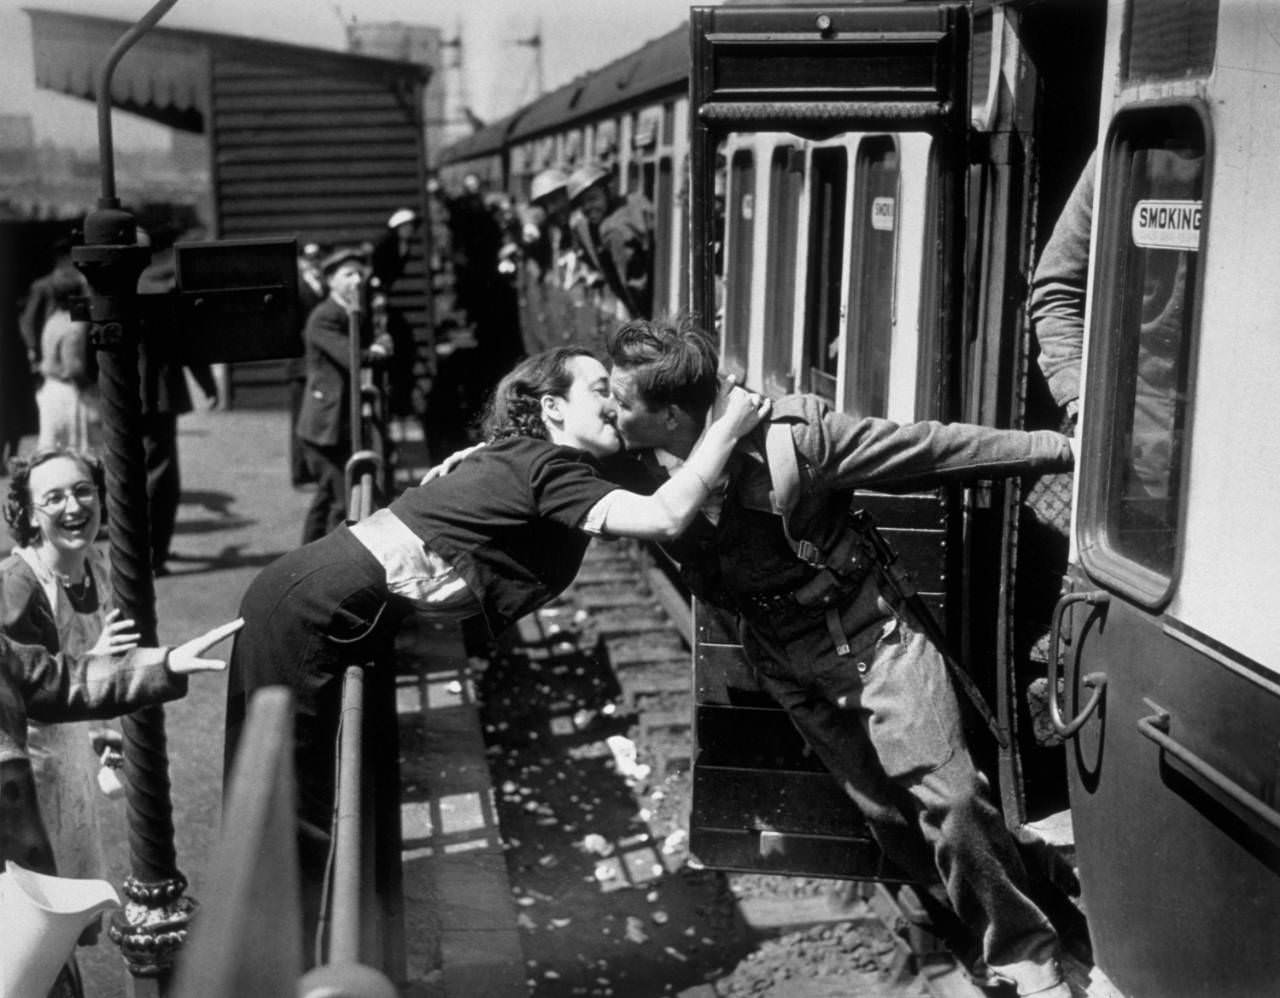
x=616, y=235
x=545, y=221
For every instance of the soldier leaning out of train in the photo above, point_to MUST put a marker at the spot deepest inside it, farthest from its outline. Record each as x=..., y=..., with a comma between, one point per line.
x=500, y=536
x=615, y=236
x=544, y=232
x=830, y=640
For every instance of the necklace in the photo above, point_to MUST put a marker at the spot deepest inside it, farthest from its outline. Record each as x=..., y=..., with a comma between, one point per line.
x=71, y=585
x=75, y=588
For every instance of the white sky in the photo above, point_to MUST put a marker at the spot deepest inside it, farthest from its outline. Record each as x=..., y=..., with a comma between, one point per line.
x=578, y=35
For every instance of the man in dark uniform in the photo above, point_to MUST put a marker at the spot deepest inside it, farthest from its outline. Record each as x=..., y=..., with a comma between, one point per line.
x=391, y=254
x=323, y=423
x=860, y=679
x=311, y=292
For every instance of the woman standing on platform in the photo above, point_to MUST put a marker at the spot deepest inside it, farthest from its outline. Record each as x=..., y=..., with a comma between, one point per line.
x=68, y=399
x=54, y=593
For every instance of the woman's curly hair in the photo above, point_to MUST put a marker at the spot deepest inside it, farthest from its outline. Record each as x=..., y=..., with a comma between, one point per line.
x=515, y=410
x=18, y=503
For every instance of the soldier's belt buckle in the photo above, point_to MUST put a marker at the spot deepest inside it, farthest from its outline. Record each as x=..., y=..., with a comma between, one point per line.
x=768, y=603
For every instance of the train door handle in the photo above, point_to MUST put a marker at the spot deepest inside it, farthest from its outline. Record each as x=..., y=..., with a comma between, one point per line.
x=1096, y=681
x=1156, y=726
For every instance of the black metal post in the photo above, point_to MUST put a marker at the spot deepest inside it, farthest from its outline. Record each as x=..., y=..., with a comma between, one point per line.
x=354, y=390
x=152, y=928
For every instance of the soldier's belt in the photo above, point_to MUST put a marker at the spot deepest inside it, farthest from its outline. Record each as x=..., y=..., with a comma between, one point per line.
x=826, y=589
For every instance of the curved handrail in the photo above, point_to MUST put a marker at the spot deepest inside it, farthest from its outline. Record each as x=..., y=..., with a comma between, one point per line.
x=1096, y=681
x=1155, y=726
x=368, y=465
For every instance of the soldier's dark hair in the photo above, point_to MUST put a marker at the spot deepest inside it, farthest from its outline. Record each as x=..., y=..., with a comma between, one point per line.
x=18, y=503
x=673, y=362
x=515, y=410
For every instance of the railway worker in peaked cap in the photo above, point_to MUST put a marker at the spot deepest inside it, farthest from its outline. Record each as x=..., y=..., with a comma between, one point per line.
x=616, y=234
x=323, y=419
x=849, y=661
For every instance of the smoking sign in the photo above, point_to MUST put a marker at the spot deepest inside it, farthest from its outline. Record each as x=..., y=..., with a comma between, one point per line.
x=882, y=214
x=1172, y=225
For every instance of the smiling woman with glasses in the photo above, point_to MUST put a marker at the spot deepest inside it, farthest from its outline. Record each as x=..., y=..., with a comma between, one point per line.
x=55, y=500
x=54, y=592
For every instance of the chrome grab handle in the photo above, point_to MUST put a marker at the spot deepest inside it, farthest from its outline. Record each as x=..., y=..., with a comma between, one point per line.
x=1096, y=681
x=1156, y=727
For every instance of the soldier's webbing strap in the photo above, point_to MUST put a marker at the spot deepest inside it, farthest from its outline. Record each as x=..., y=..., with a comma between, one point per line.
x=898, y=581
x=784, y=494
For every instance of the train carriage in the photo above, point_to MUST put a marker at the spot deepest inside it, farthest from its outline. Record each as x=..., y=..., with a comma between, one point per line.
x=870, y=189
x=1173, y=775
x=630, y=116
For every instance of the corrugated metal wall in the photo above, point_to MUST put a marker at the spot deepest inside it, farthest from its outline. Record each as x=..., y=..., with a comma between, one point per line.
x=318, y=147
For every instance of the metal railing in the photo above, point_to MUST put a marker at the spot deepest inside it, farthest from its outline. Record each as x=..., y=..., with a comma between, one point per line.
x=249, y=942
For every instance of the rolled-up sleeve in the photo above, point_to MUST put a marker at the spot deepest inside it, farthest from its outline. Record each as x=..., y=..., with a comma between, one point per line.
x=1058, y=289
x=839, y=452
x=58, y=688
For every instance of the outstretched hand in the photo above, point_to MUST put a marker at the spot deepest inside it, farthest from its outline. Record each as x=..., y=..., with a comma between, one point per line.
x=449, y=463
x=739, y=410
x=186, y=658
x=117, y=637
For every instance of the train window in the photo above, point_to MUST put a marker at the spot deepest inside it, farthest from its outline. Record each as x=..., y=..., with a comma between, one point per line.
x=786, y=181
x=981, y=82
x=1146, y=304
x=828, y=178
x=874, y=242
x=740, y=231
x=649, y=179
x=1168, y=41
x=664, y=206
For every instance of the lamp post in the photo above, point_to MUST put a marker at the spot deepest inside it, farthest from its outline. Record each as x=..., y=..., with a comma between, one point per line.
x=153, y=925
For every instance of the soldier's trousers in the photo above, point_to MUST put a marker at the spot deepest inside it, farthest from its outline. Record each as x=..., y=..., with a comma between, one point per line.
x=885, y=721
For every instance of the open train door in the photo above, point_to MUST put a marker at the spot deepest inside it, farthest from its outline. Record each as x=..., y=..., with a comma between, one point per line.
x=843, y=132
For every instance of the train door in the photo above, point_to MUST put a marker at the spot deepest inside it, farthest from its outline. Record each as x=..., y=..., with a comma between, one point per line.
x=836, y=141
x=1170, y=637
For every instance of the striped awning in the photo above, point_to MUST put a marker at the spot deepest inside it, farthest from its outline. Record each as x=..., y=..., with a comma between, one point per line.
x=164, y=77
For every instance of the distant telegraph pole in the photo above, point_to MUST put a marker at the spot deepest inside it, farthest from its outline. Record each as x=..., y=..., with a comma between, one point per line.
x=458, y=111
x=535, y=42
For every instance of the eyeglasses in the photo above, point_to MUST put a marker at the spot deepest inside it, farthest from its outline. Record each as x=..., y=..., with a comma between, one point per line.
x=55, y=500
